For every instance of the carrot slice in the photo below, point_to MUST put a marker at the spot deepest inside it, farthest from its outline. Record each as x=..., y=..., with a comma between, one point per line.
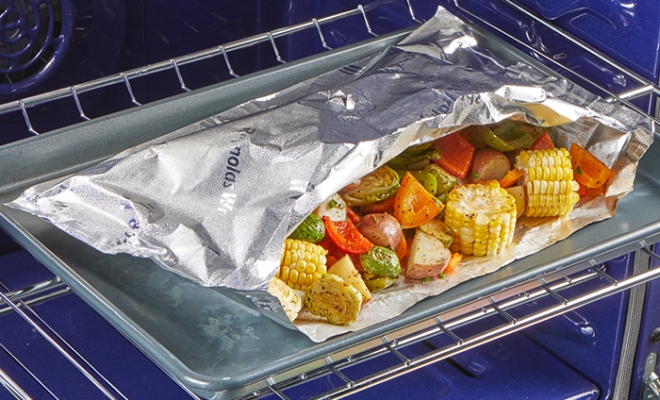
x=453, y=262
x=414, y=205
x=511, y=178
x=456, y=154
x=587, y=169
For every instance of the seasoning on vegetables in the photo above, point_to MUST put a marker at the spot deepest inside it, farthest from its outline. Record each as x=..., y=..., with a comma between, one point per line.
x=482, y=218
x=455, y=154
x=290, y=300
x=381, y=261
x=379, y=185
x=346, y=236
x=592, y=172
x=428, y=257
x=414, y=205
x=312, y=229
x=332, y=298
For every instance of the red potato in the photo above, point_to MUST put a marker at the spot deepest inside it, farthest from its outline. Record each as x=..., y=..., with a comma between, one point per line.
x=489, y=164
x=381, y=229
x=428, y=257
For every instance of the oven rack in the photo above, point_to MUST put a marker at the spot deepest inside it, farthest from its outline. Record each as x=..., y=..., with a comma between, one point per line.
x=501, y=305
x=505, y=309
x=559, y=292
x=72, y=93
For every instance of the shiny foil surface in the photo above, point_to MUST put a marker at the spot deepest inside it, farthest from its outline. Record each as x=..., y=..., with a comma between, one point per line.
x=214, y=201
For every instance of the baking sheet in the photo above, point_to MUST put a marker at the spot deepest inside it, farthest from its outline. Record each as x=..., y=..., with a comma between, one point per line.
x=210, y=339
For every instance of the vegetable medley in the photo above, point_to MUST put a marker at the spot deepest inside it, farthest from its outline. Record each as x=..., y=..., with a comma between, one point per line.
x=416, y=217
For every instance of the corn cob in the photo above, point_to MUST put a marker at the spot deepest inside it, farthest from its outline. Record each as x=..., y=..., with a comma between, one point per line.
x=551, y=190
x=302, y=263
x=290, y=300
x=482, y=218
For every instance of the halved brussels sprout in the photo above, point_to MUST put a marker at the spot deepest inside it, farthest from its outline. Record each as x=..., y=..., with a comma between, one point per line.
x=379, y=185
x=375, y=283
x=312, y=229
x=381, y=261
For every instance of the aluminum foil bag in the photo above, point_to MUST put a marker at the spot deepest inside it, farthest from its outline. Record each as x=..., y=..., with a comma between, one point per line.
x=214, y=201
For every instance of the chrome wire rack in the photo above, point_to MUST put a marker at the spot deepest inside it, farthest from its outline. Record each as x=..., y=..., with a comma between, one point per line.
x=559, y=293
x=571, y=287
x=642, y=87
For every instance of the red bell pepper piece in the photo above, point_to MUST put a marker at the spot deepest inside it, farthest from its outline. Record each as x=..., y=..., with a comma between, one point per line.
x=378, y=208
x=346, y=236
x=456, y=154
x=543, y=142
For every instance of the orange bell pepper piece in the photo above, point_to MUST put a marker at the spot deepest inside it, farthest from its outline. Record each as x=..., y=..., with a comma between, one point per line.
x=414, y=205
x=511, y=178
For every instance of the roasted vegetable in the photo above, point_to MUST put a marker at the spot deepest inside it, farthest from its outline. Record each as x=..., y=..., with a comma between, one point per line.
x=428, y=257
x=489, y=164
x=381, y=229
x=543, y=142
x=413, y=205
x=508, y=136
x=379, y=185
x=455, y=154
x=376, y=283
x=550, y=188
x=312, y=229
x=333, y=208
x=427, y=179
x=381, y=261
x=414, y=157
x=301, y=263
x=332, y=298
x=589, y=170
x=511, y=178
x=290, y=300
x=518, y=193
x=445, y=180
x=438, y=230
x=345, y=269
x=482, y=218
x=346, y=236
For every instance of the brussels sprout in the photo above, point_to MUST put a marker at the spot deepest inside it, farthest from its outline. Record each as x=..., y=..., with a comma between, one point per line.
x=379, y=185
x=381, y=261
x=375, y=283
x=445, y=180
x=312, y=229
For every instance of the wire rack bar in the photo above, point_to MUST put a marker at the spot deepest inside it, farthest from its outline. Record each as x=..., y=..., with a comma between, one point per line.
x=36, y=293
x=445, y=325
x=64, y=348
x=174, y=64
x=648, y=88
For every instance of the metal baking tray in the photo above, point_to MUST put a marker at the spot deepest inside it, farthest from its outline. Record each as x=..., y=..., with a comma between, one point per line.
x=215, y=341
